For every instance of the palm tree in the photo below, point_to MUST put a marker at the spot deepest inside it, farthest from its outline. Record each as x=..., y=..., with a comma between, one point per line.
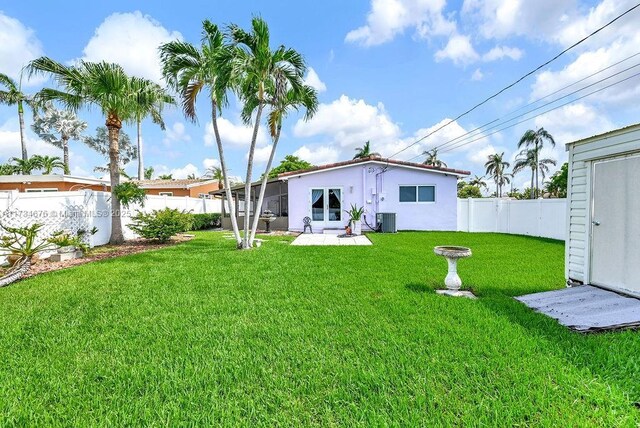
x=257, y=72
x=105, y=86
x=48, y=163
x=478, y=182
x=101, y=144
x=13, y=95
x=281, y=103
x=57, y=127
x=190, y=70
x=432, y=159
x=530, y=159
x=148, y=173
x=495, y=167
x=165, y=177
x=536, y=139
x=150, y=101
x=26, y=167
x=365, y=151
x=7, y=169
x=216, y=174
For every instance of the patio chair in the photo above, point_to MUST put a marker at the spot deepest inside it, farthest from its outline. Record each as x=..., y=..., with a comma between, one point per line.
x=307, y=223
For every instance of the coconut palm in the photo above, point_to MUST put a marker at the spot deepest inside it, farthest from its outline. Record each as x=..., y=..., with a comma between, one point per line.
x=281, y=103
x=535, y=140
x=478, y=182
x=105, y=86
x=26, y=167
x=216, y=173
x=432, y=158
x=13, y=95
x=190, y=70
x=495, y=167
x=257, y=72
x=365, y=151
x=150, y=101
x=530, y=159
x=48, y=163
x=57, y=127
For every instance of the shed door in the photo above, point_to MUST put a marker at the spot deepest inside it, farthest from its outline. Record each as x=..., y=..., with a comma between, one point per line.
x=615, y=224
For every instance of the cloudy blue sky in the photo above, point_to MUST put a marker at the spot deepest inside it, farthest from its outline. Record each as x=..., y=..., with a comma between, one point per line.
x=388, y=71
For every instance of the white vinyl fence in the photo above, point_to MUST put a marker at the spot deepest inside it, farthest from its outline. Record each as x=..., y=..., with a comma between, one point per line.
x=538, y=217
x=85, y=210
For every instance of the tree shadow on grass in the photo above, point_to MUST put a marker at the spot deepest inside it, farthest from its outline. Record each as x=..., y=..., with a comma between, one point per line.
x=612, y=356
x=419, y=288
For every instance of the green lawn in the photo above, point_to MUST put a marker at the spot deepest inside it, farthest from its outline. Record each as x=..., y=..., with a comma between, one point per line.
x=201, y=334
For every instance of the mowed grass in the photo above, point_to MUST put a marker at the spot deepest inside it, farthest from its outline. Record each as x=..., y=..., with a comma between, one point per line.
x=202, y=334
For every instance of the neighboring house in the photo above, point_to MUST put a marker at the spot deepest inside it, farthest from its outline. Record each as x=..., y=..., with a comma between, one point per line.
x=195, y=188
x=51, y=183
x=603, y=224
x=421, y=196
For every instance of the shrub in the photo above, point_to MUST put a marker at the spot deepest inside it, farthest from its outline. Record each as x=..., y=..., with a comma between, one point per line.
x=22, y=240
x=205, y=221
x=160, y=225
x=129, y=193
x=63, y=238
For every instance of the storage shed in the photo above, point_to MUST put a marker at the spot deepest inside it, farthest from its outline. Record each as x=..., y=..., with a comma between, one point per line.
x=603, y=245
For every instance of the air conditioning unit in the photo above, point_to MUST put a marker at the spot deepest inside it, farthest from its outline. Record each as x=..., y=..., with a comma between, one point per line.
x=386, y=222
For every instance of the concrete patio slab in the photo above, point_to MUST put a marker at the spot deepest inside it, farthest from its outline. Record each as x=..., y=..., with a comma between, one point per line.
x=322, y=239
x=586, y=308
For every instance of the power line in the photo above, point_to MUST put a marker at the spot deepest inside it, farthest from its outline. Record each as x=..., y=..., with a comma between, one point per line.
x=455, y=146
x=468, y=134
x=483, y=126
x=519, y=80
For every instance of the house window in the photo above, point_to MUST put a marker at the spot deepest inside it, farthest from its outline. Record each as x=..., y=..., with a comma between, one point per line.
x=204, y=196
x=417, y=193
x=44, y=189
x=165, y=193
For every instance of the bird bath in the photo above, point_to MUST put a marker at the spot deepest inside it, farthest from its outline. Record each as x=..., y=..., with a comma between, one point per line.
x=452, y=280
x=268, y=216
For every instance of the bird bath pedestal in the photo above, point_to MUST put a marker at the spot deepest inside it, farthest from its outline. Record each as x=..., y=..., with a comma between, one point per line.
x=268, y=216
x=452, y=280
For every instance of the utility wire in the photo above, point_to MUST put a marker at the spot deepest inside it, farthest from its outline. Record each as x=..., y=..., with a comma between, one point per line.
x=519, y=80
x=483, y=126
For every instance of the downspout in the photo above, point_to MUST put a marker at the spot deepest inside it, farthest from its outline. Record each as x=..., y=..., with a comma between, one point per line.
x=364, y=188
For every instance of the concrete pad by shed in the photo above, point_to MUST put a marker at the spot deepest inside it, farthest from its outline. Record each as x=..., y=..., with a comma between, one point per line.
x=326, y=239
x=586, y=308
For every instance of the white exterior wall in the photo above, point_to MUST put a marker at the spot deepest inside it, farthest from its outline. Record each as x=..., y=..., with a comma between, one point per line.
x=86, y=209
x=539, y=217
x=581, y=156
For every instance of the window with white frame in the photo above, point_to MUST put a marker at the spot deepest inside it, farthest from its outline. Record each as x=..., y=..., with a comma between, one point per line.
x=165, y=193
x=417, y=193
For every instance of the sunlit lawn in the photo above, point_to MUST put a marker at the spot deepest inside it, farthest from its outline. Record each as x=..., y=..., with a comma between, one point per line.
x=202, y=334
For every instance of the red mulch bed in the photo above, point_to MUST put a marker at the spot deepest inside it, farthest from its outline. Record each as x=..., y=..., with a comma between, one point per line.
x=104, y=252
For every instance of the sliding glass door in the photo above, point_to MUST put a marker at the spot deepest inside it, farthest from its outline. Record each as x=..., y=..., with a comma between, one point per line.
x=326, y=207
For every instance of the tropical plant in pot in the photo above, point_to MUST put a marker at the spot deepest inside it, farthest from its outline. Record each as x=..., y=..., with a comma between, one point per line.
x=20, y=242
x=355, y=216
x=68, y=242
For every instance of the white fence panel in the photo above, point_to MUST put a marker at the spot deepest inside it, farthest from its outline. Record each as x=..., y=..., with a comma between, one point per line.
x=539, y=217
x=86, y=209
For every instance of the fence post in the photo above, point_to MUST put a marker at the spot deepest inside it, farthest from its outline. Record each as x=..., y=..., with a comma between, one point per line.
x=471, y=211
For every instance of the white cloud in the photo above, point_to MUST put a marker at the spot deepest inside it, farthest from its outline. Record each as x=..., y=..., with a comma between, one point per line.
x=318, y=155
x=235, y=134
x=176, y=133
x=185, y=171
x=389, y=18
x=500, y=52
x=10, y=143
x=314, y=81
x=260, y=155
x=210, y=163
x=573, y=122
x=459, y=50
x=349, y=123
x=477, y=75
x=500, y=19
x=131, y=40
x=18, y=46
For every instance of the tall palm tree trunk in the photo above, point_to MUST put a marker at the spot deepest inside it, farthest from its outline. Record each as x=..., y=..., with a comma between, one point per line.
x=263, y=185
x=22, y=131
x=140, y=161
x=531, y=195
x=247, y=186
x=114, y=125
x=225, y=176
x=65, y=154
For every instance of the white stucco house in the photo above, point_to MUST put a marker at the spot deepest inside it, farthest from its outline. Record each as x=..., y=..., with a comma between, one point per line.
x=603, y=215
x=422, y=197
